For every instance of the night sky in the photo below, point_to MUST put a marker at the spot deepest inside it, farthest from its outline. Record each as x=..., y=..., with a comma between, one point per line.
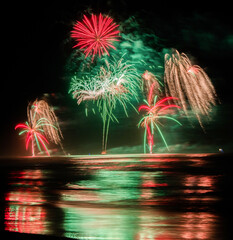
x=36, y=46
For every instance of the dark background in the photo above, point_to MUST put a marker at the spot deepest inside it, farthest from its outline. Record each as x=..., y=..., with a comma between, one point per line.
x=36, y=45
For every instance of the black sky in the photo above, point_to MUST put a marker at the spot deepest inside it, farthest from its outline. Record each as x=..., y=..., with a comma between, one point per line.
x=36, y=45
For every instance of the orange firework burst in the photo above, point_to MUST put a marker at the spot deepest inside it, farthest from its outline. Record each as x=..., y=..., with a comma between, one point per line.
x=40, y=109
x=190, y=84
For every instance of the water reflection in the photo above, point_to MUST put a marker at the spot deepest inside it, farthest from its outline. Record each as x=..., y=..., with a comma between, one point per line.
x=199, y=225
x=23, y=212
x=25, y=219
x=111, y=223
x=107, y=186
x=140, y=224
x=123, y=199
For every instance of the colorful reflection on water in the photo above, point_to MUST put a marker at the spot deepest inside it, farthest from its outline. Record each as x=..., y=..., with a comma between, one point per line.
x=24, y=212
x=25, y=219
x=125, y=199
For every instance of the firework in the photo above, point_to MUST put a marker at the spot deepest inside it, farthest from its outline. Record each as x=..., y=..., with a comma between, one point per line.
x=115, y=83
x=95, y=35
x=149, y=79
x=155, y=111
x=34, y=134
x=41, y=109
x=42, y=125
x=190, y=84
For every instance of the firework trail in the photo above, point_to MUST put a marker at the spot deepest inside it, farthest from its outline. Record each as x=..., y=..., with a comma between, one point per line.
x=149, y=79
x=42, y=125
x=34, y=134
x=190, y=84
x=95, y=35
x=40, y=109
x=115, y=83
x=155, y=111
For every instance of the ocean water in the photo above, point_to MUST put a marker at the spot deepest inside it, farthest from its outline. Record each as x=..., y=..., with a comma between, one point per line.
x=138, y=197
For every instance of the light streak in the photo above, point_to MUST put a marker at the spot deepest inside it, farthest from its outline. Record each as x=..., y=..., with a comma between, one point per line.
x=95, y=35
x=115, y=84
x=151, y=121
x=33, y=134
x=42, y=125
x=149, y=80
x=39, y=110
x=190, y=84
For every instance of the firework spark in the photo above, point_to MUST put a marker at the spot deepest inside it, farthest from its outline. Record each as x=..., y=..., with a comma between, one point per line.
x=41, y=109
x=95, y=35
x=149, y=79
x=42, y=125
x=34, y=134
x=155, y=111
x=190, y=84
x=115, y=83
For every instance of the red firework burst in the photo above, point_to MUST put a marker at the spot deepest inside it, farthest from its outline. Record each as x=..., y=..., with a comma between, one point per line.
x=95, y=35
